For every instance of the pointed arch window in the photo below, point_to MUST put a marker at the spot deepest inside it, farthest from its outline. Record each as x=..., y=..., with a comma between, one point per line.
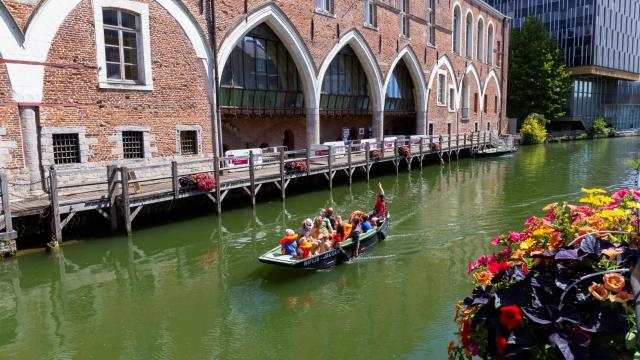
x=480, y=40
x=468, y=38
x=345, y=86
x=456, y=30
x=490, y=45
x=399, y=95
x=260, y=73
x=431, y=19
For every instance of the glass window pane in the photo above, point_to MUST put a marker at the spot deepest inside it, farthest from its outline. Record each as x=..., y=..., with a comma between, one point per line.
x=130, y=56
x=112, y=54
x=129, y=39
x=128, y=20
x=111, y=37
x=131, y=72
x=113, y=71
x=110, y=17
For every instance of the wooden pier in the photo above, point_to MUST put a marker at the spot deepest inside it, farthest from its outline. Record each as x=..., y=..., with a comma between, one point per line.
x=119, y=193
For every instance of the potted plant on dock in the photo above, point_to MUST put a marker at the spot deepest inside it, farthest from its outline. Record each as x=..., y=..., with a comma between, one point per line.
x=201, y=181
x=296, y=166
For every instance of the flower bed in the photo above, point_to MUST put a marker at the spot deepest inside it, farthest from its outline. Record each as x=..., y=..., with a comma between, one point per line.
x=201, y=181
x=375, y=155
x=558, y=289
x=404, y=151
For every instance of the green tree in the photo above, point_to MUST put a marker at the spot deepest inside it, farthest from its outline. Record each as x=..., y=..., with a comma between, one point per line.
x=538, y=78
x=599, y=127
x=533, y=130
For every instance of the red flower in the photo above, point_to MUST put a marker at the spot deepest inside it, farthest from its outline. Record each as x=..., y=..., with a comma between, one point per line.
x=496, y=267
x=501, y=343
x=510, y=317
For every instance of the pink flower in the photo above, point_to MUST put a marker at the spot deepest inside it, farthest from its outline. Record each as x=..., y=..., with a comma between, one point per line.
x=516, y=236
x=470, y=267
x=620, y=194
x=636, y=194
x=530, y=221
x=483, y=260
x=550, y=216
x=496, y=240
x=505, y=252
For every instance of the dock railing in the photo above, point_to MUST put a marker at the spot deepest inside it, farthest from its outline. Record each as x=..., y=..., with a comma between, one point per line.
x=6, y=220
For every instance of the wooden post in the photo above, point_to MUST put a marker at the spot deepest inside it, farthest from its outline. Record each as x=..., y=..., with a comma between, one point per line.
x=282, y=177
x=430, y=142
x=308, y=161
x=366, y=157
x=174, y=180
x=252, y=178
x=395, y=151
x=112, y=176
x=349, y=161
x=330, y=165
x=457, y=141
x=6, y=209
x=216, y=175
x=55, y=204
x=464, y=141
x=420, y=147
x=126, y=210
x=448, y=142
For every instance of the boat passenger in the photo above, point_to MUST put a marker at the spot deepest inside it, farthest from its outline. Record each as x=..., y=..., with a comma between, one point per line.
x=326, y=223
x=355, y=214
x=331, y=218
x=355, y=235
x=380, y=208
x=304, y=247
x=364, y=223
x=321, y=235
x=339, y=235
x=305, y=229
x=289, y=243
x=373, y=221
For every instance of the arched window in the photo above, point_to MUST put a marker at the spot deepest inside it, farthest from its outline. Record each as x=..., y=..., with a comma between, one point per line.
x=345, y=85
x=456, y=30
x=465, y=98
x=490, y=45
x=399, y=96
x=468, y=39
x=480, y=40
x=260, y=73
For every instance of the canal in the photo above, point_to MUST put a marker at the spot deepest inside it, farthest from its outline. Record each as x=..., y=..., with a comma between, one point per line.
x=193, y=289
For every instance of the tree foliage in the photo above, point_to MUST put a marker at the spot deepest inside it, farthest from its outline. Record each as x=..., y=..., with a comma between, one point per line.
x=533, y=130
x=599, y=127
x=538, y=78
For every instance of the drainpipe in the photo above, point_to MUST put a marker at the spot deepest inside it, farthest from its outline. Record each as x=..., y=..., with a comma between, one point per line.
x=504, y=24
x=215, y=108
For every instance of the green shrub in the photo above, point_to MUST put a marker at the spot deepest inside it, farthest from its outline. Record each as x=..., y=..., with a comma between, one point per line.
x=581, y=136
x=599, y=127
x=533, y=130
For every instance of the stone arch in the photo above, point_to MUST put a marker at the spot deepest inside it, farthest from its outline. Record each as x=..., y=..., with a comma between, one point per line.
x=411, y=60
x=27, y=79
x=470, y=70
x=443, y=61
x=358, y=44
x=492, y=75
x=287, y=33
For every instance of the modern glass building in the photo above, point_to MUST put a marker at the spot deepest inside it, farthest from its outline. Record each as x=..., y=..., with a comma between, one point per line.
x=600, y=40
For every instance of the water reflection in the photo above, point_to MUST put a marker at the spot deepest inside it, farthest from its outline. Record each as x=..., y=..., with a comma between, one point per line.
x=193, y=289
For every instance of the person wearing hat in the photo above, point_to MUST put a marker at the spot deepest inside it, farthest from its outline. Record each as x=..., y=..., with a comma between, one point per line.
x=289, y=243
x=305, y=229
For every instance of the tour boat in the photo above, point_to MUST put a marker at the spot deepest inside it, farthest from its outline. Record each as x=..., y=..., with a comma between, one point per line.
x=343, y=252
x=499, y=151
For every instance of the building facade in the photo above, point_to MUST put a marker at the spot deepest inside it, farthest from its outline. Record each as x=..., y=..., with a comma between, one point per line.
x=88, y=83
x=599, y=40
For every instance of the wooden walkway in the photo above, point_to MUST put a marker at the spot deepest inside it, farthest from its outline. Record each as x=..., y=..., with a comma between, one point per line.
x=122, y=192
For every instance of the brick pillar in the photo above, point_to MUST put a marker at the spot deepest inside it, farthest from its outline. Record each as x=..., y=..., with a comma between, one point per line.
x=313, y=126
x=378, y=124
x=421, y=126
x=28, y=123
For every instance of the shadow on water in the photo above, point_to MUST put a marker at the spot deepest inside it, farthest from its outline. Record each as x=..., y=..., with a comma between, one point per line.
x=193, y=288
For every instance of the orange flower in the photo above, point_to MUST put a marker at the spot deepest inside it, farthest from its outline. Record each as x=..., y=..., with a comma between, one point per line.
x=612, y=252
x=484, y=277
x=613, y=282
x=621, y=297
x=599, y=292
x=518, y=254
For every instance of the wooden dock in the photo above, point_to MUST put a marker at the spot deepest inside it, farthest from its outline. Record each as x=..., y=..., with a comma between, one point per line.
x=119, y=193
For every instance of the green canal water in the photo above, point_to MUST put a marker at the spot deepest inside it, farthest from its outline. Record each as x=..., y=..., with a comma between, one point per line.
x=194, y=290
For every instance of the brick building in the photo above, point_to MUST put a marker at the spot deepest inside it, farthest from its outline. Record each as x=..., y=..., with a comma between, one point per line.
x=87, y=83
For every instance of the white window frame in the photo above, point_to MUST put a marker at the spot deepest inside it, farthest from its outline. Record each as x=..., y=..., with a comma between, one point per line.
x=443, y=101
x=325, y=7
x=370, y=14
x=405, y=30
x=141, y=10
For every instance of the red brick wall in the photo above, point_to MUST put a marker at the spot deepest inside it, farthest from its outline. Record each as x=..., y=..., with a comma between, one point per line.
x=72, y=97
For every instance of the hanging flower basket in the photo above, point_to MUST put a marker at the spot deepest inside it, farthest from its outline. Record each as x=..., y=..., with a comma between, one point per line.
x=375, y=155
x=435, y=146
x=295, y=166
x=404, y=151
x=201, y=181
x=559, y=289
